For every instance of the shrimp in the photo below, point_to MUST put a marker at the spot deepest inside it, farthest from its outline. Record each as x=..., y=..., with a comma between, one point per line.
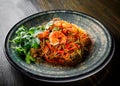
x=58, y=24
x=68, y=27
x=73, y=30
x=43, y=34
x=57, y=37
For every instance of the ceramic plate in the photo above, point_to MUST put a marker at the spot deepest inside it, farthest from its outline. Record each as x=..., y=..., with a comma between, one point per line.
x=100, y=55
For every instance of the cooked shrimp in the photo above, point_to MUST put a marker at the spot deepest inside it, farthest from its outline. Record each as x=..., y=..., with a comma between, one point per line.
x=57, y=37
x=43, y=34
x=68, y=27
x=73, y=30
x=58, y=24
x=66, y=24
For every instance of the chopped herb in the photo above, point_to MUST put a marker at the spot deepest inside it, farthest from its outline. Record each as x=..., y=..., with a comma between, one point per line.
x=49, y=24
x=56, y=29
x=24, y=40
x=29, y=58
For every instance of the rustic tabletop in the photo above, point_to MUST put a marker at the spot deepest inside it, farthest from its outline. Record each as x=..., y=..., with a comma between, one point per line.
x=106, y=11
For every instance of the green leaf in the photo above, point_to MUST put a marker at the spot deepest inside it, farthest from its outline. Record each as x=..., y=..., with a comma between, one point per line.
x=32, y=30
x=16, y=40
x=35, y=43
x=36, y=30
x=21, y=29
x=37, y=40
x=19, y=50
x=29, y=58
x=56, y=29
x=26, y=39
x=49, y=24
x=41, y=28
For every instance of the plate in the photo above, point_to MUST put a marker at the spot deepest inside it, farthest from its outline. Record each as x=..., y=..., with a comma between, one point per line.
x=101, y=53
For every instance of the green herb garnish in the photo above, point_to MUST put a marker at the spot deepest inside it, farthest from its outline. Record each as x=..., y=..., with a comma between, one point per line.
x=25, y=39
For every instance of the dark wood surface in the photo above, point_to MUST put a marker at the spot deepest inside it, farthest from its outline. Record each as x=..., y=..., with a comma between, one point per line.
x=106, y=11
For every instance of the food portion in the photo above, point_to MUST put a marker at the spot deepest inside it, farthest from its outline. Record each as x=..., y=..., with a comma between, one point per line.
x=58, y=42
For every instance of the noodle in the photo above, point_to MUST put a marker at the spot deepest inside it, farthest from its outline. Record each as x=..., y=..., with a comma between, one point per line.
x=62, y=43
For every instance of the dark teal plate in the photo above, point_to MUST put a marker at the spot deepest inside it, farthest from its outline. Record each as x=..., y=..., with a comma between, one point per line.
x=100, y=55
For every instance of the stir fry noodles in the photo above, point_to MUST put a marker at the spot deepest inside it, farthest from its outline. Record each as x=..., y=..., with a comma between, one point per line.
x=58, y=42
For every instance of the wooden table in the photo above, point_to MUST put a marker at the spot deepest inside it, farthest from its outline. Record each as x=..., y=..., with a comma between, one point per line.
x=106, y=11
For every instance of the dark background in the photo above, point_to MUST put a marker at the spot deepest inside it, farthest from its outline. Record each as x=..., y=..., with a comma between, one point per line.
x=106, y=11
